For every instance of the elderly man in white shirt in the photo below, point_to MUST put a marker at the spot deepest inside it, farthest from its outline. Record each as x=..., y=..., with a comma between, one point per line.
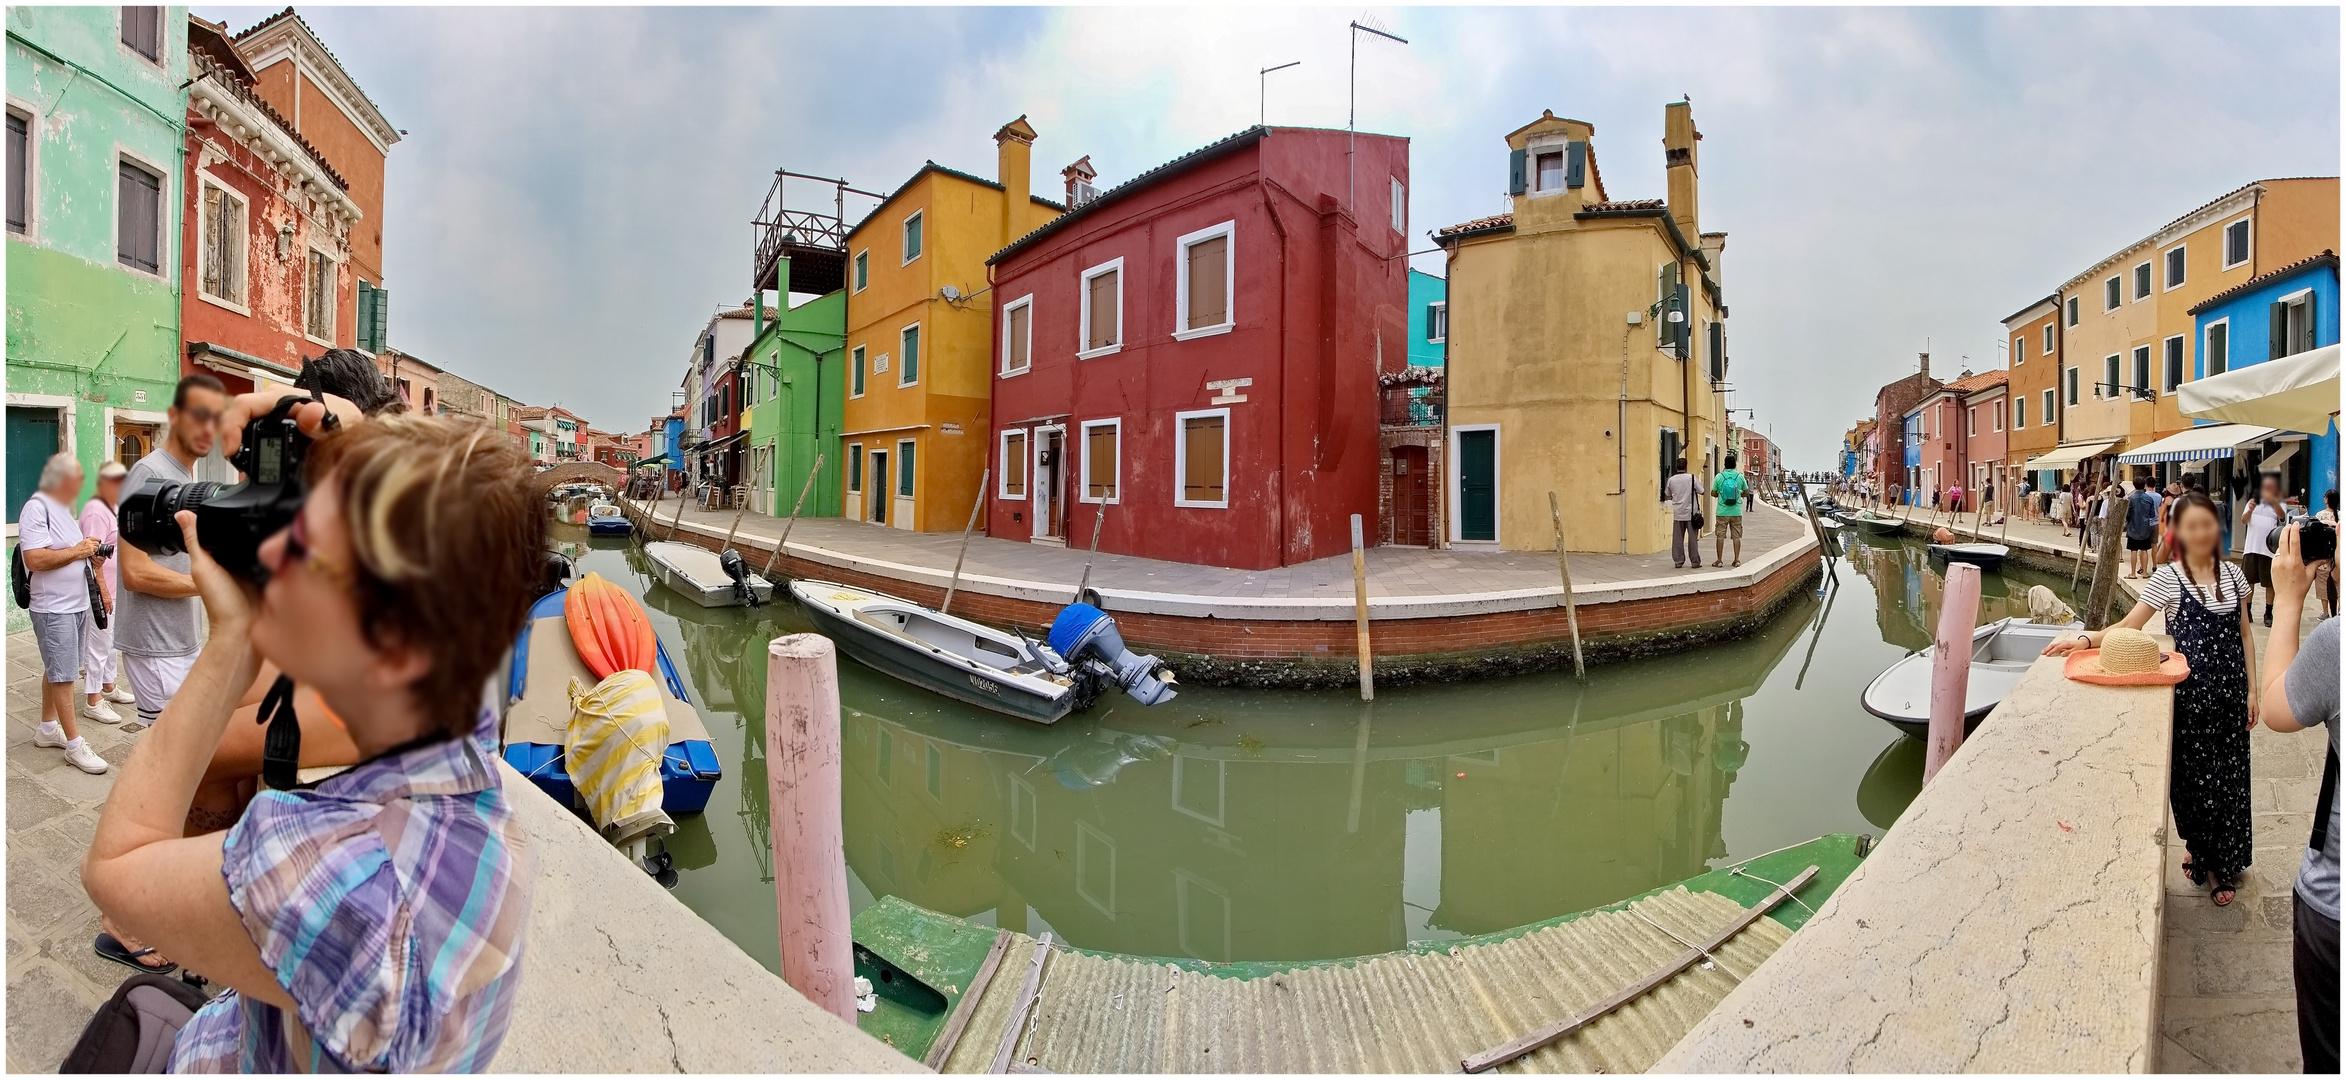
x=56, y=556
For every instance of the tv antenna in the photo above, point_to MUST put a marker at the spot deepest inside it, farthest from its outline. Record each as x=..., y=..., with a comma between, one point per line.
x=1263, y=88
x=1352, y=99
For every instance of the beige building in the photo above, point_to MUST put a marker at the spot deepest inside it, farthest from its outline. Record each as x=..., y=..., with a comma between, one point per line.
x=1587, y=349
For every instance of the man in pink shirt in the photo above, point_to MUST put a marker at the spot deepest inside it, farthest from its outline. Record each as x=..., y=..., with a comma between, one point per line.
x=97, y=643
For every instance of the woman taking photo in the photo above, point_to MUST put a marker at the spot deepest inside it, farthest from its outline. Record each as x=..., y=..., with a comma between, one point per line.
x=372, y=922
x=2205, y=603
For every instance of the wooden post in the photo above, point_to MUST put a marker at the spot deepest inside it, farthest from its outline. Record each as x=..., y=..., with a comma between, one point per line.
x=1368, y=678
x=682, y=497
x=1564, y=570
x=1824, y=543
x=983, y=479
x=2108, y=553
x=1099, y=518
x=803, y=788
x=1951, y=665
x=754, y=474
x=794, y=508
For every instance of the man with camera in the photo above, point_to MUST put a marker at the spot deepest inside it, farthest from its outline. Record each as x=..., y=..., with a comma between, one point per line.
x=2300, y=691
x=56, y=555
x=156, y=622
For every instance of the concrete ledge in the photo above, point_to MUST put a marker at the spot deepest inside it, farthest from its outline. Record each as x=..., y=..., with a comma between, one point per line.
x=2009, y=922
x=623, y=978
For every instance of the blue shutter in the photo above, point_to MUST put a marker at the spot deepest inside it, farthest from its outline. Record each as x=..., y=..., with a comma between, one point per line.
x=1515, y=177
x=1576, y=164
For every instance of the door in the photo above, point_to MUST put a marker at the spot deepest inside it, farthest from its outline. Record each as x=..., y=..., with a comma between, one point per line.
x=1478, y=485
x=1049, y=485
x=134, y=440
x=1411, y=514
x=877, y=484
x=32, y=437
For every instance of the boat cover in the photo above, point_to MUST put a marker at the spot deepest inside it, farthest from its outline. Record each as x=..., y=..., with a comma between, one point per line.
x=618, y=736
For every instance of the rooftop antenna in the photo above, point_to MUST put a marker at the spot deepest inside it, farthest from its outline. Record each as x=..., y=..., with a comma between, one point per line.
x=1352, y=100
x=1263, y=79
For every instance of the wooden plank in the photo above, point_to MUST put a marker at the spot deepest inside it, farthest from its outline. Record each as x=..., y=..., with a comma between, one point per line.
x=942, y=1048
x=1016, y=1025
x=1509, y=1051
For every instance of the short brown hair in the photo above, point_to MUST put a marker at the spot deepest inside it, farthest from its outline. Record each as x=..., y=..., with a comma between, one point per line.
x=448, y=543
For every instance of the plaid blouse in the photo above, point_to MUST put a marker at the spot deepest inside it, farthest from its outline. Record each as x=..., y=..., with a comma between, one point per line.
x=390, y=902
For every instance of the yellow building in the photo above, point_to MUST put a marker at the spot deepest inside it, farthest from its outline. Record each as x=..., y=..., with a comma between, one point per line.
x=919, y=332
x=1587, y=350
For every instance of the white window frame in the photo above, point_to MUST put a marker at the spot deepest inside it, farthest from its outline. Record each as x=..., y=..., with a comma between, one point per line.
x=1531, y=166
x=859, y=271
x=2294, y=299
x=1181, y=459
x=1187, y=888
x=1002, y=452
x=858, y=371
x=32, y=166
x=896, y=480
x=1181, y=248
x=919, y=339
x=2247, y=256
x=2205, y=352
x=1401, y=206
x=2019, y=412
x=1970, y=421
x=333, y=306
x=2113, y=372
x=855, y=478
x=1996, y=413
x=2047, y=407
x=2073, y=306
x=2046, y=348
x=204, y=178
x=165, y=260
x=2167, y=262
x=2107, y=304
x=1004, y=370
x=2145, y=361
x=162, y=40
x=2182, y=370
x=1442, y=320
x=1083, y=479
x=904, y=231
x=1083, y=322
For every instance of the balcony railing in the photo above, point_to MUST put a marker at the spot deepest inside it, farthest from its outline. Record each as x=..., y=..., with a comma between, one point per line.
x=1411, y=406
x=815, y=243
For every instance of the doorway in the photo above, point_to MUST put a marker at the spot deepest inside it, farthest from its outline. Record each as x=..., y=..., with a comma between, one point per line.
x=879, y=488
x=1050, y=490
x=1412, y=517
x=1478, y=484
x=134, y=440
x=34, y=433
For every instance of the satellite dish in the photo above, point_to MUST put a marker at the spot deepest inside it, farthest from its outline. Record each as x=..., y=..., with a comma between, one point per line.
x=949, y=293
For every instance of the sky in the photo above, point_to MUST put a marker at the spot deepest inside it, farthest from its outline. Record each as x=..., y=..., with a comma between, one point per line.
x=573, y=197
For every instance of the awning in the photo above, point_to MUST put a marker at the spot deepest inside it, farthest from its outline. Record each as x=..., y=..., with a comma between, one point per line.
x=2068, y=457
x=2276, y=461
x=2198, y=444
x=655, y=459
x=714, y=445
x=2293, y=393
x=240, y=364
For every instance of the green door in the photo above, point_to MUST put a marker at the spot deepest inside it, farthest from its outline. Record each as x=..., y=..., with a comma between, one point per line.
x=32, y=437
x=1478, y=483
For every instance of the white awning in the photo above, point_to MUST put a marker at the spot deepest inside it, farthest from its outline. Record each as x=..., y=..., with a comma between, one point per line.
x=2294, y=393
x=2275, y=462
x=2068, y=457
x=2198, y=444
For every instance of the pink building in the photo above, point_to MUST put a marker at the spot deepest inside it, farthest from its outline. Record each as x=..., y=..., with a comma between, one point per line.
x=1958, y=426
x=1985, y=420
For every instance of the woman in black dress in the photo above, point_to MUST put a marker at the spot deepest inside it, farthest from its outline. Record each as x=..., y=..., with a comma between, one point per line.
x=2205, y=603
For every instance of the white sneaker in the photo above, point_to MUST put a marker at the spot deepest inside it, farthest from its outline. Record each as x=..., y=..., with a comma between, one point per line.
x=42, y=737
x=99, y=712
x=85, y=759
x=120, y=696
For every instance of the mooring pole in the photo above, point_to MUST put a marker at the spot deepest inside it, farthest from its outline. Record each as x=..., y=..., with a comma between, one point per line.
x=754, y=473
x=1951, y=665
x=680, y=501
x=803, y=798
x=1099, y=518
x=983, y=479
x=1564, y=570
x=2106, y=556
x=1368, y=678
x=794, y=508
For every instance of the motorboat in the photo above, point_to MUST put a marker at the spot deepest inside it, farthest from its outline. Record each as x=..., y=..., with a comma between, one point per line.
x=1984, y=556
x=707, y=578
x=604, y=519
x=1868, y=522
x=2001, y=653
x=1008, y=673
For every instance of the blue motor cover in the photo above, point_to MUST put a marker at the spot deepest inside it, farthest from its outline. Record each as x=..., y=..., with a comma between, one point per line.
x=1085, y=634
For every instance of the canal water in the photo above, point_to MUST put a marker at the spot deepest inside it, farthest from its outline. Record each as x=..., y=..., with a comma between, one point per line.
x=1276, y=825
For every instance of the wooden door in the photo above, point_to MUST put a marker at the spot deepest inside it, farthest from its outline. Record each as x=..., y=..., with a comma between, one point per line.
x=1412, y=516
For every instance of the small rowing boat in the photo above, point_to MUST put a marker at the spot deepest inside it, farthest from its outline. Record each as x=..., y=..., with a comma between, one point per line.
x=2001, y=653
x=705, y=577
x=1866, y=521
x=604, y=519
x=1984, y=556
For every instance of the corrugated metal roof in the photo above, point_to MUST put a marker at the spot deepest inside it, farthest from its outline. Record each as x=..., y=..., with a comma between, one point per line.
x=1398, y=1012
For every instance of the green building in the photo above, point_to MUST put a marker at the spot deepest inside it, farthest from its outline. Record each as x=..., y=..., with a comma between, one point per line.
x=794, y=384
x=96, y=137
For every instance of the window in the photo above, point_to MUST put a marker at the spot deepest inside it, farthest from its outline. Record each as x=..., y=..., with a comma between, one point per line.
x=1018, y=335
x=2235, y=243
x=855, y=467
x=855, y=373
x=2108, y=387
x=1971, y=421
x=908, y=372
x=1102, y=441
x=1438, y=321
x=142, y=30
x=2174, y=373
x=1998, y=407
x=220, y=232
x=2045, y=412
x=2142, y=368
x=1103, y=309
x=320, y=321
x=1202, y=451
x=374, y=316
x=2047, y=348
x=2020, y=412
x=2072, y=397
x=2112, y=291
x=2292, y=324
x=1400, y=207
x=863, y=269
x=1013, y=467
x=2142, y=281
x=2216, y=354
x=138, y=217
x=1203, y=291
x=912, y=237
x=2019, y=350
x=1548, y=165
x=2072, y=311
x=20, y=171
x=904, y=454
x=2175, y=266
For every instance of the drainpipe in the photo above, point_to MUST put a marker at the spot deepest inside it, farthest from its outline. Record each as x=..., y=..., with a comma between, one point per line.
x=1279, y=504
x=1621, y=437
x=1441, y=536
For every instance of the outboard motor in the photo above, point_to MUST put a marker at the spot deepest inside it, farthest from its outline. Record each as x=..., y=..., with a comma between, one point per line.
x=1084, y=634
x=737, y=568
x=556, y=575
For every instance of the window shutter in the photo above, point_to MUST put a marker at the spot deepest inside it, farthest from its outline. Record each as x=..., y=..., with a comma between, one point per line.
x=1685, y=327
x=1019, y=336
x=366, y=317
x=1100, y=462
x=1576, y=164
x=2277, y=341
x=1515, y=179
x=1208, y=282
x=2304, y=342
x=1102, y=331
x=1666, y=290
x=1201, y=459
x=1718, y=352
x=382, y=318
x=1430, y=328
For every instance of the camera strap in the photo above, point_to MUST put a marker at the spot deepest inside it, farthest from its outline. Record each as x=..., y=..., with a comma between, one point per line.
x=281, y=747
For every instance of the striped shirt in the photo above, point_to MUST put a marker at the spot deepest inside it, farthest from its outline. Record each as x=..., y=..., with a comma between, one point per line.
x=2165, y=588
x=390, y=902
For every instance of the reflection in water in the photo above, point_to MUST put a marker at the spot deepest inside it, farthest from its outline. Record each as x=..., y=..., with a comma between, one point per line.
x=1234, y=824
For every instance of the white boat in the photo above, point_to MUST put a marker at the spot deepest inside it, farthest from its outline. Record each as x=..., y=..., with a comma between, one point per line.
x=2001, y=653
x=1984, y=556
x=701, y=576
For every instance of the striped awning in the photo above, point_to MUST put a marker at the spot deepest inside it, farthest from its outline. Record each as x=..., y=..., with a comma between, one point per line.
x=2068, y=457
x=2199, y=444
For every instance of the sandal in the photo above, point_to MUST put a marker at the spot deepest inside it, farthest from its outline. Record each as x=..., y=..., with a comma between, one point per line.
x=112, y=948
x=2225, y=891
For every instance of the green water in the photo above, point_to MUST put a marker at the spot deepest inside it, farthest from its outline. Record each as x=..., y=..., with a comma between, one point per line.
x=1270, y=825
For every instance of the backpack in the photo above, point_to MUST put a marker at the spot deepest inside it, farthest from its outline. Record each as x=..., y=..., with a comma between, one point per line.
x=133, y=1031
x=1731, y=494
x=20, y=580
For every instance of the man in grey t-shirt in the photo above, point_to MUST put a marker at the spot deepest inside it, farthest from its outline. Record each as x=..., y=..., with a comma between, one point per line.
x=157, y=619
x=2301, y=690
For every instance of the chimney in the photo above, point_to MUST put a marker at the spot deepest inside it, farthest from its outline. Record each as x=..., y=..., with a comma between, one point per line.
x=1678, y=153
x=1014, y=168
x=1079, y=177
x=1926, y=364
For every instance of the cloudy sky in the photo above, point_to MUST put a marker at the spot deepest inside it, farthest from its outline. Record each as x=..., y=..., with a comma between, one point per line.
x=573, y=197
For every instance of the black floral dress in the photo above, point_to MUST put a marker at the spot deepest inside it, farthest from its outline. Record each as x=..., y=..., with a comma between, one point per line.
x=2208, y=779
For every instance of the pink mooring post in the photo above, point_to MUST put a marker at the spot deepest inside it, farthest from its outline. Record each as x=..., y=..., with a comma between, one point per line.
x=803, y=801
x=1951, y=666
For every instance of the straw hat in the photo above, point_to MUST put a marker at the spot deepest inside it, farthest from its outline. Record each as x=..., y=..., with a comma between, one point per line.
x=2127, y=651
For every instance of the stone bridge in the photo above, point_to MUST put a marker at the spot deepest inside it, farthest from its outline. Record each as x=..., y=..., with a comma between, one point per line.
x=572, y=472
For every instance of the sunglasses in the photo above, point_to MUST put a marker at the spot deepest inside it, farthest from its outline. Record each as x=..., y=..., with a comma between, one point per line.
x=199, y=415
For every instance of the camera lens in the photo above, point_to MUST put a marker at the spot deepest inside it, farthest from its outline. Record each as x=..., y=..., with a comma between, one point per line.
x=149, y=515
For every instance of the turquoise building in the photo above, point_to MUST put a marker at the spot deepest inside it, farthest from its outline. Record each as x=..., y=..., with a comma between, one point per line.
x=2287, y=311
x=1429, y=319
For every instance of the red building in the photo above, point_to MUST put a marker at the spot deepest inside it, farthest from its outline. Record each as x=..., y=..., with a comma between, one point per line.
x=1197, y=350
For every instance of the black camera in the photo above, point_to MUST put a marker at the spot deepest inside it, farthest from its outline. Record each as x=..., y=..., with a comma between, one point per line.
x=2316, y=540
x=233, y=520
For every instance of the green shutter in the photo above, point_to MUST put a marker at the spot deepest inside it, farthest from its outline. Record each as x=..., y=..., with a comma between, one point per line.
x=382, y=318
x=2277, y=340
x=1515, y=178
x=1684, y=330
x=1576, y=164
x=366, y=317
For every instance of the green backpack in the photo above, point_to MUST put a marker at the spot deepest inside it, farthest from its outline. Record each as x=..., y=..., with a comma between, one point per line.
x=1731, y=488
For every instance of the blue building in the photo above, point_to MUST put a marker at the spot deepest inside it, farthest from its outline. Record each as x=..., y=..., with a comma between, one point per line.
x=1911, y=438
x=1429, y=319
x=2281, y=313
x=672, y=447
